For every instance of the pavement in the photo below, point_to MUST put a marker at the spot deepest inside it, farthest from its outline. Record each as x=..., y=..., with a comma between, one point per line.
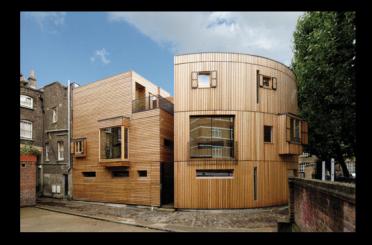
x=166, y=219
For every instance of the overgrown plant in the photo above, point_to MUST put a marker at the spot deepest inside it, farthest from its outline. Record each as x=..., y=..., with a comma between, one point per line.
x=28, y=149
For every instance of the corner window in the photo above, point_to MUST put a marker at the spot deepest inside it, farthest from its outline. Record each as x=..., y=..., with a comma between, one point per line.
x=26, y=129
x=54, y=115
x=212, y=136
x=27, y=101
x=46, y=152
x=61, y=150
x=110, y=143
x=268, y=134
x=204, y=80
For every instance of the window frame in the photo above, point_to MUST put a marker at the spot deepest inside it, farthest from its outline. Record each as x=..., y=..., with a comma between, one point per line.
x=26, y=105
x=124, y=139
x=230, y=173
x=293, y=138
x=31, y=131
x=59, y=144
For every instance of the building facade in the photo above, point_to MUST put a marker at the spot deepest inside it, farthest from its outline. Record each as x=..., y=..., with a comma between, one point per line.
x=122, y=145
x=31, y=121
x=236, y=131
x=56, y=171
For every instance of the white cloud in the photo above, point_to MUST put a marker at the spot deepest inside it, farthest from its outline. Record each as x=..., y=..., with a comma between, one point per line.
x=262, y=33
x=48, y=21
x=101, y=55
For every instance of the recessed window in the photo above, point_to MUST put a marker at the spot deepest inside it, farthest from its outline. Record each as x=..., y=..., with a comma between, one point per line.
x=217, y=173
x=126, y=142
x=26, y=129
x=79, y=147
x=54, y=115
x=204, y=80
x=46, y=152
x=142, y=173
x=89, y=174
x=61, y=150
x=23, y=165
x=27, y=101
x=212, y=136
x=120, y=172
x=268, y=134
x=254, y=183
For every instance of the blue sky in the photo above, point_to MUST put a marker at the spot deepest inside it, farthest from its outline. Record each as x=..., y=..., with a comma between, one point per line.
x=87, y=46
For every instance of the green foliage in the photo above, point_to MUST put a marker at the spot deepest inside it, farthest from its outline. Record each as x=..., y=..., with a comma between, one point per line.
x=324, y=64
x=29, y=150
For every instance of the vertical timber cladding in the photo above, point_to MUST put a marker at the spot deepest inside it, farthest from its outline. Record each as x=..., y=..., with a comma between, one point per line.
x=236, y=94
x=107, y=103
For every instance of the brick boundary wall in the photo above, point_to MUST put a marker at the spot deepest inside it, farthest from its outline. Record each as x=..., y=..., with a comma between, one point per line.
x=27, y=180
x=321, y=206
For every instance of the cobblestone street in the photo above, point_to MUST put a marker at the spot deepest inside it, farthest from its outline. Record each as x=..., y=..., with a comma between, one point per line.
x=238, y=220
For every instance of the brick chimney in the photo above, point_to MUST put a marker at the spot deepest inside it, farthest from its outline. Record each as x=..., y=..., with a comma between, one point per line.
x=32, y=79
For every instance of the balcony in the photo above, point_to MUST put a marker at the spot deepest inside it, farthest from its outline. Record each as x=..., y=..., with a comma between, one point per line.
x=152, y=102
x=216, y=149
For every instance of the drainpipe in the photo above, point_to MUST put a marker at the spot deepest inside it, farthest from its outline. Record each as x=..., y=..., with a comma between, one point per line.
x=69, y=132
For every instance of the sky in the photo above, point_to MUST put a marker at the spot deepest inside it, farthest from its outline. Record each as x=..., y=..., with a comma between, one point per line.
x=88, y=46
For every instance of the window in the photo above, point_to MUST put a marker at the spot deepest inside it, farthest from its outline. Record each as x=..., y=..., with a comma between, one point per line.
x=267, y=134
x=212, y=136
x=46, y=152
x=204, y=80
x=79, y=147
x=120, y=172
x=142, y=173
x=214, y=173
x=54, y=115
x=89, y=174
x=126, y=140
x=111, y=143
x=168, y=144
x=27, y=101
x=295, y=130
x=61, y=150
x=266, y=81
x=26, y=129
x=254, y=183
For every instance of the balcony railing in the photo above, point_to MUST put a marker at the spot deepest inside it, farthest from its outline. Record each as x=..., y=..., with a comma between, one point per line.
x=151, y=102
x=213, y=149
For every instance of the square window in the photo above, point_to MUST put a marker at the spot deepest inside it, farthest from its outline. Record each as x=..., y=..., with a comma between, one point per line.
x=204, y=80
x=142, y=173
x=266, y=81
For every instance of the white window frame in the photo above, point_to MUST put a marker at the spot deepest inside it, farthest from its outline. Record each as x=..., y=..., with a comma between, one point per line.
x=26, y=101
x=61, y=150
x=54, y=115
x=47, y=152
x=29, y=131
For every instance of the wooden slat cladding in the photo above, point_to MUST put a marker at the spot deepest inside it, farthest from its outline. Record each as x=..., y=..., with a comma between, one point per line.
x=108, y=103
x=237, y=93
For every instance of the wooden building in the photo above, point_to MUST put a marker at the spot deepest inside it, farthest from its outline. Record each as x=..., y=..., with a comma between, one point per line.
x=237, y=134
x=122, y=141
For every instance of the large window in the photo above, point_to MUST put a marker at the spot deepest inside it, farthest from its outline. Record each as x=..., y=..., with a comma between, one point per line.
x=295, y=130
x=27, y=101
x=212, y=136
x=26, y=129
x=61, y=150
x=111, y=143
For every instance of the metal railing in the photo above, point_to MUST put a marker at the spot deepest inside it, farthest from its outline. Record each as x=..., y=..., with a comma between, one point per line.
x=151, y=102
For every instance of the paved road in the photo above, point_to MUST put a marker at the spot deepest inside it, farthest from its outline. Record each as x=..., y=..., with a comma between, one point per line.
x=38, y=220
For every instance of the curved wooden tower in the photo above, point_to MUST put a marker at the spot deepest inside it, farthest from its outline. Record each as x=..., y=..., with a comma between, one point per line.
x=237, y=135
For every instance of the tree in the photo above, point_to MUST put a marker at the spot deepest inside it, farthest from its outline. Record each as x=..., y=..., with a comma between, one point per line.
x=324, y=64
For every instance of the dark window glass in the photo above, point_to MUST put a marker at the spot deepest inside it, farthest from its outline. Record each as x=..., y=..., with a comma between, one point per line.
x=89, y=174
x=267, y=133
x=120, y=172
x=111, y=143
x=212, y=136
x=266, y=81
x=126, y=145
x=168, y=143
x=214, y=173
x=255, y=183
x=142, y=173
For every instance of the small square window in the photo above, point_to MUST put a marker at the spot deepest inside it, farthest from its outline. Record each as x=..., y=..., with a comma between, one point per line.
x=142, y=173
x=268, y=134
x=266, y=81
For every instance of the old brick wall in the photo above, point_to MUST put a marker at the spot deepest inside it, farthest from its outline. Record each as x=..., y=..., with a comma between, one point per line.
x=322, y=206
x=28, y=181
